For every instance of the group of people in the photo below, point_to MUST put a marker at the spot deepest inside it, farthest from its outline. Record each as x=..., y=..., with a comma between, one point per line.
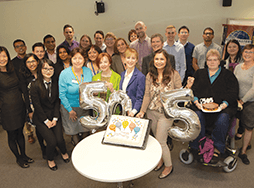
x=42, y=87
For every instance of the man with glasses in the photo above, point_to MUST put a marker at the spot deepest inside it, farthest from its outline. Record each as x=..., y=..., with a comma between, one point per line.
x=183, y=34
x=176, y=49
x=20, y=47
x=200, y=51
x=143, y=44
x=50, y=44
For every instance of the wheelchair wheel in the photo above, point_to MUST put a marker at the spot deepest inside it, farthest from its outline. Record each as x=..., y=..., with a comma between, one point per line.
x=186, y=157
x=231, y=164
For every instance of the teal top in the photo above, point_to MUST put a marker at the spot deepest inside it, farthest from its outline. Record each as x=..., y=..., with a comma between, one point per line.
x=69, y=87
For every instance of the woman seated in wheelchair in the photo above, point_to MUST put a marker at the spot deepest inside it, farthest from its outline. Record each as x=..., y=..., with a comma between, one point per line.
x=218, y=87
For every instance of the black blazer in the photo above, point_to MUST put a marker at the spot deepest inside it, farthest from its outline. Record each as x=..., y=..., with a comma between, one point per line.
x=147, y=59
x=47, y=107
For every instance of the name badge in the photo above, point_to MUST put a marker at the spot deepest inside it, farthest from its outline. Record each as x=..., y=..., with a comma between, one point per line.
x=74, y=81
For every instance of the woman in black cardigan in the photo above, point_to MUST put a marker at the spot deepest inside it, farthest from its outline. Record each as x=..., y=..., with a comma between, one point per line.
x=46, y=117
x=222, y=86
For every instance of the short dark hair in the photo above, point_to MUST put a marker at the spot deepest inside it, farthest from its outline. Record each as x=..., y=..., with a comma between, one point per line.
x=95, y=47
x=48, y=36
x=66, y=26
x=18, y=40
x=38, y=44
x=208, y=28
x=183, y=27
x=100, y=32
x=78, y=50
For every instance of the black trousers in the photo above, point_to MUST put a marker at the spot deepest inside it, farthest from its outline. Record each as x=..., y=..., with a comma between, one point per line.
x=53, y=138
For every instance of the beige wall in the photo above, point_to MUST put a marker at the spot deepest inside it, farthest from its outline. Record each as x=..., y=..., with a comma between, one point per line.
x=31, y=20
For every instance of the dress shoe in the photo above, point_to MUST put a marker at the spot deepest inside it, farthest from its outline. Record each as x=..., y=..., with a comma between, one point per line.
x=22, y=163
x=28, y=159
x=54, y=168
x=159, y=167
x=162, y=176
x=31, y=139
x=66, y=160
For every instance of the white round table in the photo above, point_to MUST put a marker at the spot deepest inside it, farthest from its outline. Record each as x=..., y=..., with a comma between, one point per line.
x=109, y=163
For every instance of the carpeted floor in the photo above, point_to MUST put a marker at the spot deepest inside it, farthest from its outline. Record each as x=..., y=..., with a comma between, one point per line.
x=189, y=176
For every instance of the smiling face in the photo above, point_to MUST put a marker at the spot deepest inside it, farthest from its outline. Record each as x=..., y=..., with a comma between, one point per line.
x=92, y=54
x=39, y=52
x=156, y=43
x=110, y=41
x=47, y=71
x=31, y=64
x=213, y=62
x=170, y=34
x=131, y=61
x=232, y=49
x=63, y=54
x=121, y=46
x=98, y=39
x=20, y=48
x=160, y=61
x=68, y=33
x=248, y=55
x=50, y=44
x=77, y=61
x=140, y=30
x=183, y=35
x=3, y=59
x=84, y=42
x=133, y=37
x=104, y=64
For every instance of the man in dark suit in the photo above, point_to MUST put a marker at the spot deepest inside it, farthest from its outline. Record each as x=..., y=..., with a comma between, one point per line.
x=157, y=44
x=20, y=47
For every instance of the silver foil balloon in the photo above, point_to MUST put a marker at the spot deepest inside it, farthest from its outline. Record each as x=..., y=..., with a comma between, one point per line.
x=192, y=124
x=119, y=97
x=88, y=101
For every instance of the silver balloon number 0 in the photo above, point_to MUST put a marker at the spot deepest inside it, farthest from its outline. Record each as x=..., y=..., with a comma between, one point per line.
x=103, y=109
x=192, y=124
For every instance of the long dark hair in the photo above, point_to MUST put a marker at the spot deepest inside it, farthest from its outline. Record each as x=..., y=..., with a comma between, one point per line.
x=9, y=66
x=168, y=69
x=58, y=59
x=23, y=68
x=239, y=53
x=40, y=79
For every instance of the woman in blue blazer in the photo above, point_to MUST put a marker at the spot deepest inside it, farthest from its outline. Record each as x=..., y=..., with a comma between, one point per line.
x=133, y=81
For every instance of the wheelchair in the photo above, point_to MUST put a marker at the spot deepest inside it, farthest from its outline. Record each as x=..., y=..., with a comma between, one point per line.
x=228, y=161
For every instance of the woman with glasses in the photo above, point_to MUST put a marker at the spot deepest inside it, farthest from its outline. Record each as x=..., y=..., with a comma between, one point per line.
x=245, y=75
x=110, y=40
x=44, y=94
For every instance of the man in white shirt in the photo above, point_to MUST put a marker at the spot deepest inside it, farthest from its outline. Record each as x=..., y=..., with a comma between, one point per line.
x=176, y=49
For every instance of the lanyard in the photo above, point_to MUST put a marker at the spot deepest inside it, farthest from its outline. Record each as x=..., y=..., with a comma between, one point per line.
x=82, y=77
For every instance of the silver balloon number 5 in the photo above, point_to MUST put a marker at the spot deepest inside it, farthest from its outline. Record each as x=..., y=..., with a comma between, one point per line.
x=192, y=124
x=104, y=110
x=88, y=101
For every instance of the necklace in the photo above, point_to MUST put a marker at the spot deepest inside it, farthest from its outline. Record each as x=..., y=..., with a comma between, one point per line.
x=82, y=77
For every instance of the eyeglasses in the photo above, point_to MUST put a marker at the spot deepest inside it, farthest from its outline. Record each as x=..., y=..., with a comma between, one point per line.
x=20, y=46
x=109, y=39
x=33, y=61
x=248, y=52
x=212, y=60
x=208, y=34
x=48, y=69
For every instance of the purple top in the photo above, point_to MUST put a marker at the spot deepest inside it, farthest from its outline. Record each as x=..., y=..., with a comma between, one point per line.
x=143, y=49
x=74, y=44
